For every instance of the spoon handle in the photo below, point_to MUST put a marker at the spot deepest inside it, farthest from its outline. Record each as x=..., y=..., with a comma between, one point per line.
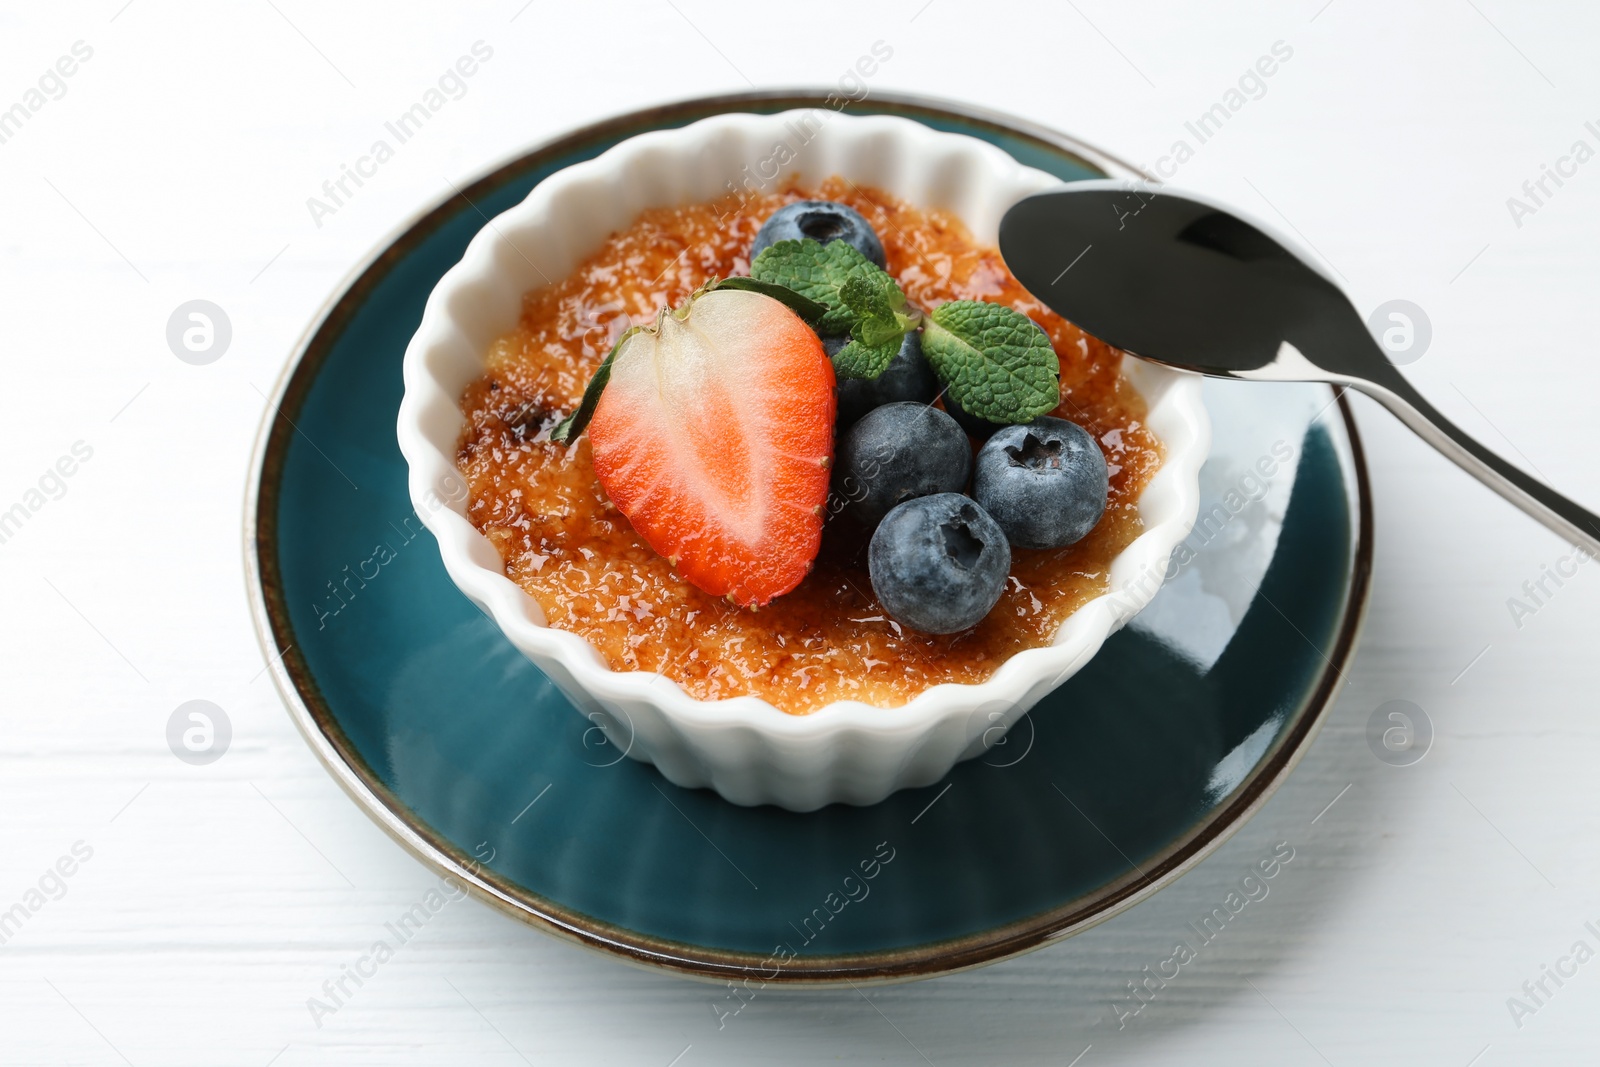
x=1574, y=523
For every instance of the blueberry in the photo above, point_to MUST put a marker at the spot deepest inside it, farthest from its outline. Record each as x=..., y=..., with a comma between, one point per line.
x=897, y=452
x=938, y=563
x=980, y=429
x=907, y=378
x=822, y=221
x=1044, y=483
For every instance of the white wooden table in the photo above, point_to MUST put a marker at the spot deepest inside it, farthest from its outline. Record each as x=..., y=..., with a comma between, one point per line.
x=175, y=163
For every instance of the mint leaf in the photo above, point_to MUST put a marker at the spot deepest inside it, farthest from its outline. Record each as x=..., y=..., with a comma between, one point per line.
x=817, y=272
x=879, y=307
x=861, y=360
x=801, y=305
x=568, y=429
x=882, y=321
x=859, y=297
x=995, y=362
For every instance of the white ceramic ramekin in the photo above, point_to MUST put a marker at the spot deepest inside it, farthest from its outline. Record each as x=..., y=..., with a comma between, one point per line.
x=744, y=748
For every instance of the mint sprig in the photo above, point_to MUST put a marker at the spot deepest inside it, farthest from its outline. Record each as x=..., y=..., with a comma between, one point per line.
x=882, y=319
x=996, y=363
x=818, y=272
x=879, y=307
x=860, y=360
x=860, y=297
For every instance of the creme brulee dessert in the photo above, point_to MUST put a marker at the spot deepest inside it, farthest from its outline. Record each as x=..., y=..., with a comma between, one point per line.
x=762, y=493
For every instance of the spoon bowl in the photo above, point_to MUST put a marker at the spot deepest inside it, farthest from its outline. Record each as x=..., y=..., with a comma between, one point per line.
x=1183, y=281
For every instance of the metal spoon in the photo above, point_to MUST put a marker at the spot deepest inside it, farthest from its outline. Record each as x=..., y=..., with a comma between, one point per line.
x=1183, y=282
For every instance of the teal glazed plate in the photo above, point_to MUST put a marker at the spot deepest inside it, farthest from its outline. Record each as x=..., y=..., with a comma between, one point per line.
x=1115, y=784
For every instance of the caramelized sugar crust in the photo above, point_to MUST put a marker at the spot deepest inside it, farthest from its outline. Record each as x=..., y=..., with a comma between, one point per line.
x=829, y=639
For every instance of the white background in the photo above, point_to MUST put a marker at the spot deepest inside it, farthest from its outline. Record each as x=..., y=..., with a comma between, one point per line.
x=219, y=898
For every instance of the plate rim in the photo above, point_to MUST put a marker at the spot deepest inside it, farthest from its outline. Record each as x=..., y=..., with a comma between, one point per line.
x=297, y=686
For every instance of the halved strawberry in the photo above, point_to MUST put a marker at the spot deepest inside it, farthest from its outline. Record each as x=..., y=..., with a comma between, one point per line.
x=714, y=435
